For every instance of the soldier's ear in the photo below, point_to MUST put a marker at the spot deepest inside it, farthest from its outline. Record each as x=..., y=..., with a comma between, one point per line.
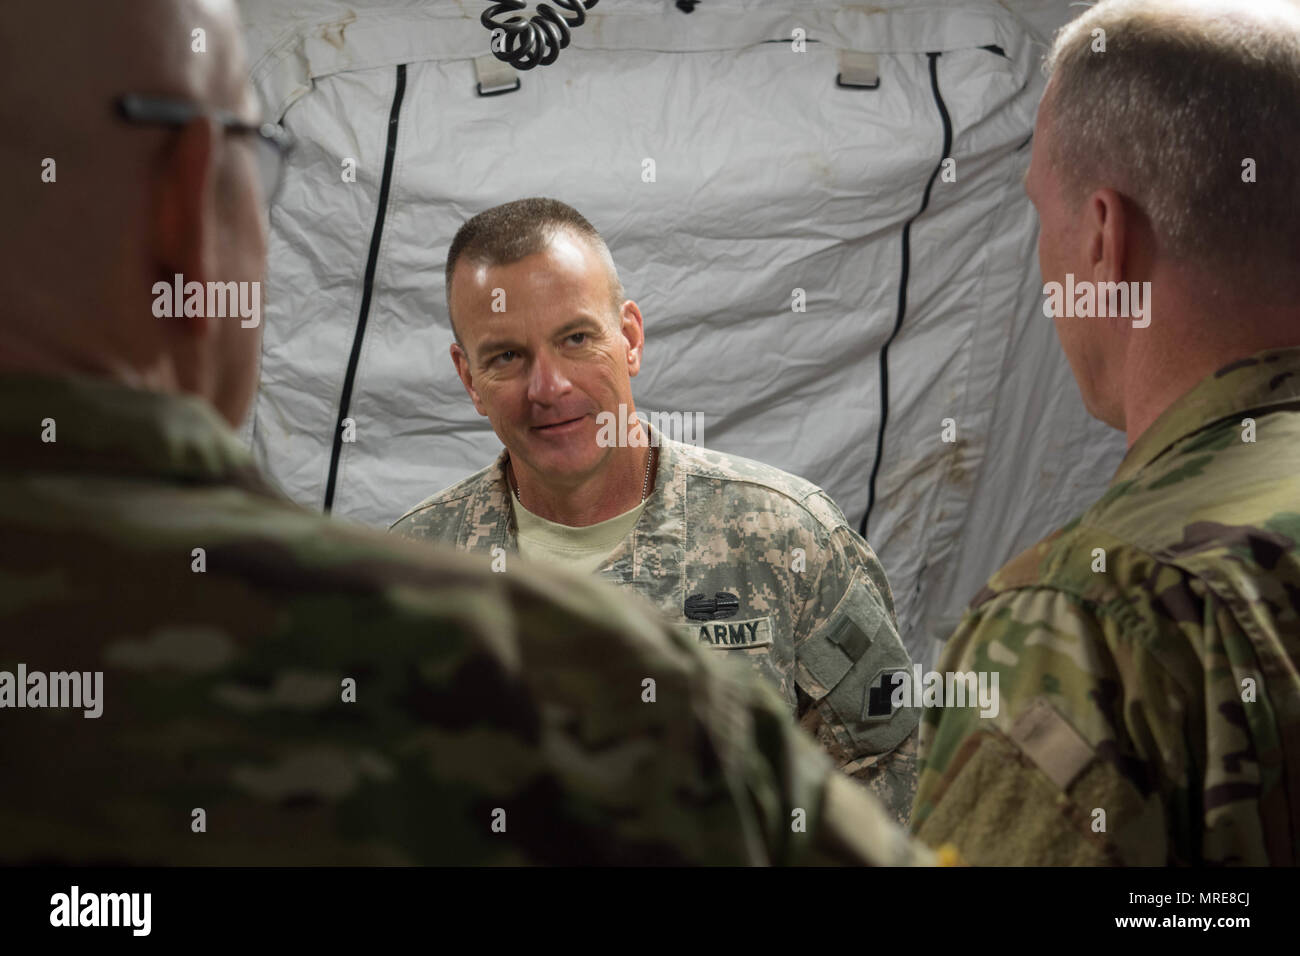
x=185, y=212
x=461, y=360
x=1108, y=231
x=632, y=329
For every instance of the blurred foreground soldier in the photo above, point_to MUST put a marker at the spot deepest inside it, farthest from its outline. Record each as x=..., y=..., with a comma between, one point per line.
x=194, y=670
x=1148, y=651
x=747, y=560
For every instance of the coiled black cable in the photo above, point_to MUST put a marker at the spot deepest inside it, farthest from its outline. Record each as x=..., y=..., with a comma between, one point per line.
x=535, y=42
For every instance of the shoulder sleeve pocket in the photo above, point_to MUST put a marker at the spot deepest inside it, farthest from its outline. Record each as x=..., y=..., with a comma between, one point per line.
x=847, y=666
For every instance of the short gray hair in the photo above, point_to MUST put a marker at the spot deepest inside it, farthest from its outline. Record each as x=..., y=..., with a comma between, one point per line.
x=1183, y=94
x=515, y=230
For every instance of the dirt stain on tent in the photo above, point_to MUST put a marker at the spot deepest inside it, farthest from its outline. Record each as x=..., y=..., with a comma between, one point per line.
x=819, y=168
x=957, y=472
x=333, y=33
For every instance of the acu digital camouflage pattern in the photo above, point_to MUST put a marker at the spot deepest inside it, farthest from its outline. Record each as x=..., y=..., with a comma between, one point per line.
x=717, y=524
x=474, y=691
x=1125, y=691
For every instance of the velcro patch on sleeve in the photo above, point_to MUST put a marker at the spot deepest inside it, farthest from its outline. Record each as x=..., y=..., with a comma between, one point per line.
x=998, y=808
x=853, y=627
x=1046, y=738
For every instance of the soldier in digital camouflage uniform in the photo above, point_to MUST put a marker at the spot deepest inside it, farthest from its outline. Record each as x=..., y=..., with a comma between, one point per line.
x=279, y=688
x=1148, y=651
x=748, y=561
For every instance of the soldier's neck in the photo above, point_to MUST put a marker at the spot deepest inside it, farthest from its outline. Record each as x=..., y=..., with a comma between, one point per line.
x=608, y=493
x=1163, y=365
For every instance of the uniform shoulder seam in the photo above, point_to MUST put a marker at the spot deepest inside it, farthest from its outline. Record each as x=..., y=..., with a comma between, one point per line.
x=799, y=489
x=465, y=488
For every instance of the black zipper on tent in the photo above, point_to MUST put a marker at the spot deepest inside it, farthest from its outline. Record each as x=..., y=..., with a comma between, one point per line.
x=902, y=289
x=368, y=286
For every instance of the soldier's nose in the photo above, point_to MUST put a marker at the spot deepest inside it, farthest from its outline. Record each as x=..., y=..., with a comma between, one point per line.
x=547, y=381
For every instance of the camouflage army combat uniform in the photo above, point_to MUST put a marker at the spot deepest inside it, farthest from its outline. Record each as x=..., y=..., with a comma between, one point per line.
x=750, y=562
x=1150, y=705
x=278, y=688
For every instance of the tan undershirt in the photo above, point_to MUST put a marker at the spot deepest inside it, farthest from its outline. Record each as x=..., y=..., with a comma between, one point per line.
x=582, y=550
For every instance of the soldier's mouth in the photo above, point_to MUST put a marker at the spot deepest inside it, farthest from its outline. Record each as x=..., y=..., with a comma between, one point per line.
x=555, y=428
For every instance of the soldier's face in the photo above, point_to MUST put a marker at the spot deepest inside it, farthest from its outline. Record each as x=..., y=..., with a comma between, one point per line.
x=542, y=355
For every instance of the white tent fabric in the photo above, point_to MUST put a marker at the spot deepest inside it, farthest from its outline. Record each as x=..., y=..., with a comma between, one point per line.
x=769, y=178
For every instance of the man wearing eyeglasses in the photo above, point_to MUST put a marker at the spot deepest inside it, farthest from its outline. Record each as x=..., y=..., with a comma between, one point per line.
x=192, y=669
x=192, y=181
x=217, y=300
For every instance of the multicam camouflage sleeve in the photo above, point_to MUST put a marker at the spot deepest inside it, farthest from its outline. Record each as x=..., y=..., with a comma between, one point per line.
x=848, y=649
x=1012, y=788
x=1149, y=702
x=1111, y=743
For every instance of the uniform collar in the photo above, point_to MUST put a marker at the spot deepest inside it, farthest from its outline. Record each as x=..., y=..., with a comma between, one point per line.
x=491, y=502
x=106, y=428
x=1256, y=384
x=657, y=541
x=657, y=527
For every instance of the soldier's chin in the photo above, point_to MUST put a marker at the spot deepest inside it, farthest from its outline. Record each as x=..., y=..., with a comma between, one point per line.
x=572, y=453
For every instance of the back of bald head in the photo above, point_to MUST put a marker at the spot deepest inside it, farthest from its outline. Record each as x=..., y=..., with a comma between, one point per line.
x=68, y=242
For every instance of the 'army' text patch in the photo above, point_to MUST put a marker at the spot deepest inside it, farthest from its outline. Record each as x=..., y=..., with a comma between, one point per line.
x=731, y=635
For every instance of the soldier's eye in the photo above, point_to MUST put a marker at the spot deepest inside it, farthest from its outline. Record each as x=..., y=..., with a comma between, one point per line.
x=504, y=357
x=577, y=338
